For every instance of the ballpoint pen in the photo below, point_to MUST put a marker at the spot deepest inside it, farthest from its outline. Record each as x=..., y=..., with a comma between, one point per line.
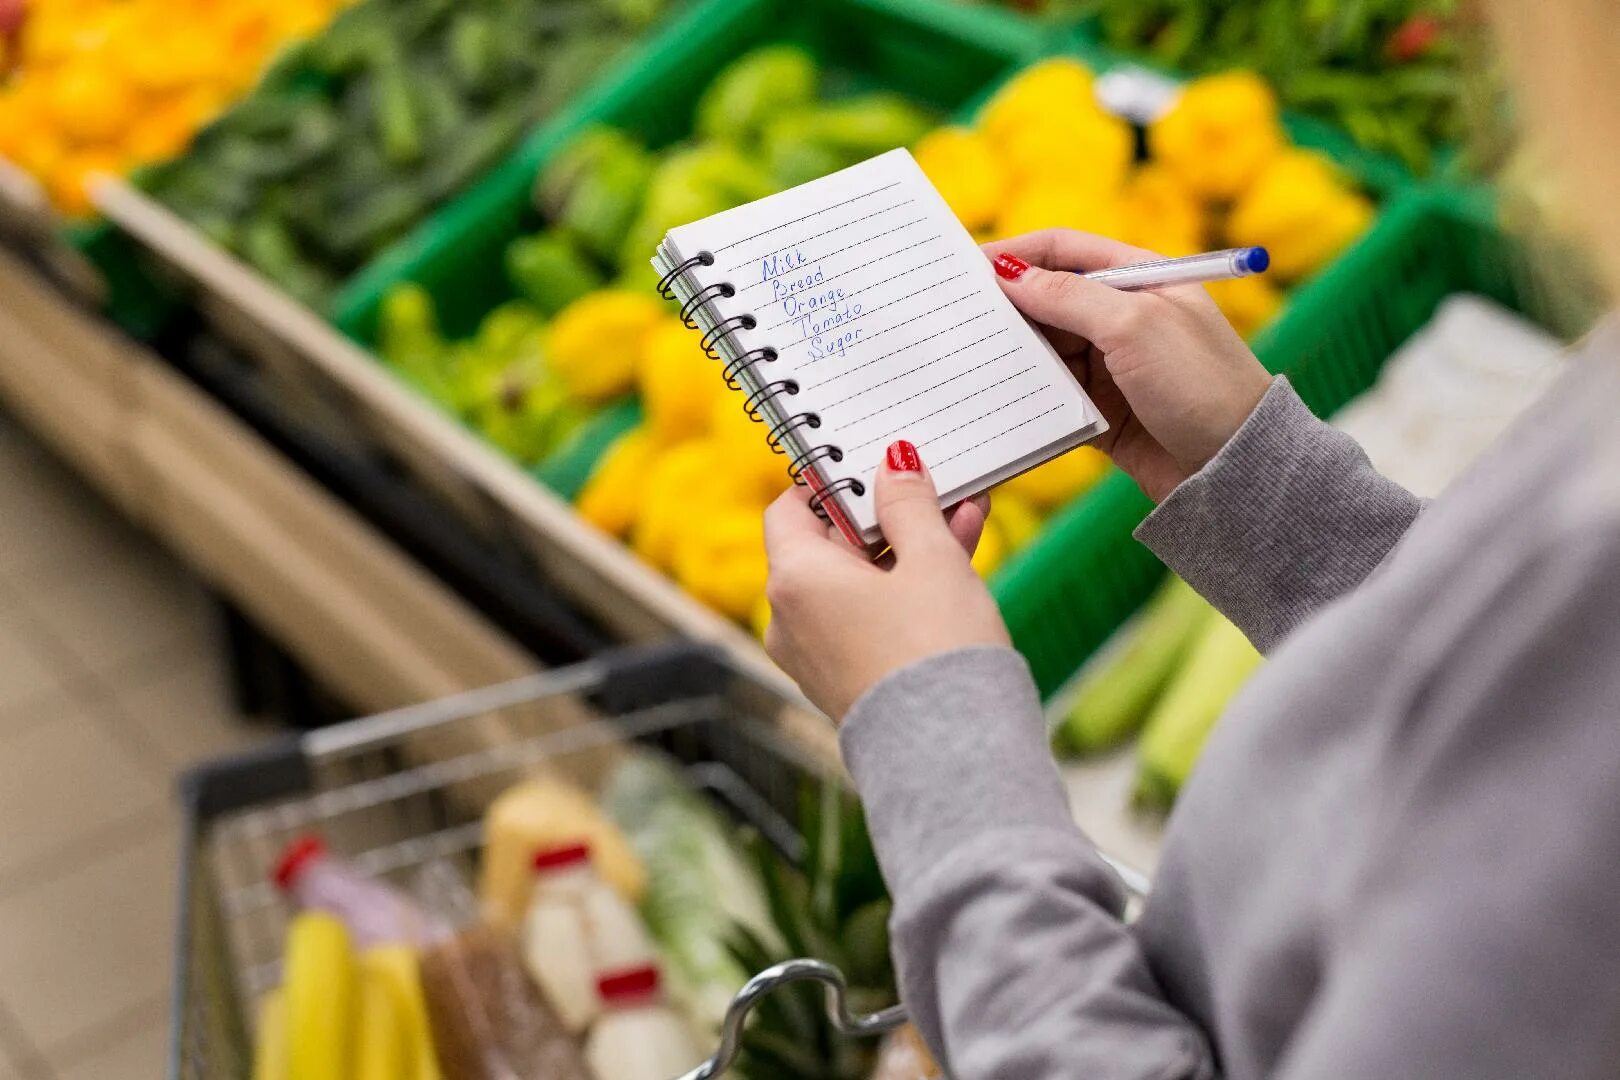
x=1190, y=270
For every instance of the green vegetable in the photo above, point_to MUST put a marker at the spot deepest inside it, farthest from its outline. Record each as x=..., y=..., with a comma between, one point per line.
x=870, y=124
x=595, y=189
x=549, y=271
x=1113, y=699
x=698, y=884
x=1219, y=663
x=754, y=88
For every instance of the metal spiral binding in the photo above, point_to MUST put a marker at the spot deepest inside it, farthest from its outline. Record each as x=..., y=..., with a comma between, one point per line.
x=703, y=296
x=847, y=483
x=756, y=400
x=666, y=284
x=856, y=1025
x=723, y=329
x=742, y=363
x=797, y=466
x=773, y=438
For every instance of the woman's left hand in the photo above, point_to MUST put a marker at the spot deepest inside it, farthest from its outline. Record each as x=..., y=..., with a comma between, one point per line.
x=839, y=622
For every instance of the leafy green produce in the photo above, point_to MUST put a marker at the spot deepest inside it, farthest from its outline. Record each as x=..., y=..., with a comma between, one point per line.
x=357, y=134
x=763, y=84
x=1386, y=71
x=699, y=885
x=832, y=905
x=1219, y=663
x=1114, y=698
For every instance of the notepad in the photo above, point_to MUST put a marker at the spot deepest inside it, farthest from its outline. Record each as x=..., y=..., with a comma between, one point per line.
x=855, y=310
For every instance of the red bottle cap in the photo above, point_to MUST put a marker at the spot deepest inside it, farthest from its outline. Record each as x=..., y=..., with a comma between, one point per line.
x=561, y=857
x=295, y=857
x=628, y=985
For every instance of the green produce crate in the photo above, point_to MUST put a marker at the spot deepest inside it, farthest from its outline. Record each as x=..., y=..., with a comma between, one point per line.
x=937, y=53
x=1084, y=575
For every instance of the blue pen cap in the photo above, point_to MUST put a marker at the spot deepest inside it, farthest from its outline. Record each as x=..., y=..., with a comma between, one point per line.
x=1255, y=260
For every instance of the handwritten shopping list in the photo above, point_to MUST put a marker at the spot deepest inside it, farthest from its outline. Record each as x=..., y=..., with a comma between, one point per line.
x=884, y=314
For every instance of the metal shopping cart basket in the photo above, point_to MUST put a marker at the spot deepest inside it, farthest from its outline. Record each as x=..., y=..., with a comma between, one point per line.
x=397, y=790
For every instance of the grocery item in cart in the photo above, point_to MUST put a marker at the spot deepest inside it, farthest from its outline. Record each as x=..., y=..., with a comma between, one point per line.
x=638, y=1036
x=488, y=1018
x=541, y=813
x=374, y=914
x=577, y=928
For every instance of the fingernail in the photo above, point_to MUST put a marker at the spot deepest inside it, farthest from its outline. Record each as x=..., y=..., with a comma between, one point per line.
x=903, y=457
x=1010, y=267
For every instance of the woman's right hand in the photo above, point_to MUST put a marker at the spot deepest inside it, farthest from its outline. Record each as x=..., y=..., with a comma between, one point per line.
x=1170, y=375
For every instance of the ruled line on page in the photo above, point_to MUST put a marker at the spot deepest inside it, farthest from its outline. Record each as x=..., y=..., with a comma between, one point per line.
x=824, y=232
x=847, y=270
x=807, y=217
x=946, y=408
x=997, y=435
x=927, y=389
x=912, y=371
x=840, y=251
x=864, y=288
x=829, y=380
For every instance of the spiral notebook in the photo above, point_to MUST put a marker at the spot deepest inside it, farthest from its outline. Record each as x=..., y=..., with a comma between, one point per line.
x=855, y=310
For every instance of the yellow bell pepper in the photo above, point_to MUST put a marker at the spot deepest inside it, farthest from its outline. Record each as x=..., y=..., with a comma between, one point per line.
x=1061, y=84
x=612, y=496
x=678, y=382
x=962, y=165
x=1160, y=214
x=720, y=559
x=1056, y=204
x=1084, y=149
x=1249, y=303
x=682, y=488
x=756, y=475
x=1047, y=487
x=595, y=344
x=1015, y=518
x=759, y=617
x=1220, y=133
x=1300, y=210
x=992, y=550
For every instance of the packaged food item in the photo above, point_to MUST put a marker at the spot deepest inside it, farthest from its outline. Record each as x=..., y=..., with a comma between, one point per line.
x=556, y=949
x=542, y=813
x=904, y=1057
x=489, y=1020
x=374, y=913
x=638, y=1037
x=320, y=989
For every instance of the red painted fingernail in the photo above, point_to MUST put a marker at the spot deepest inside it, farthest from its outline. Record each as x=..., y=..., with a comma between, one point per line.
x=1010, y=267
x=903, y=457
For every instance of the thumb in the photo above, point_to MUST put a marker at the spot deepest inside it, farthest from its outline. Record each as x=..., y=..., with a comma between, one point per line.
x=907, y=505
x=1106, y=317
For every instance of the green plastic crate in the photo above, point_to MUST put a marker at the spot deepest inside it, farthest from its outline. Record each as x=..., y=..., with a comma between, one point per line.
x=939, y=54
x=1084, y=575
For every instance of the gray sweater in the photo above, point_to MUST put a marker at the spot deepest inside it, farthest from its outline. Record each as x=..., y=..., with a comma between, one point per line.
x=1400, y=854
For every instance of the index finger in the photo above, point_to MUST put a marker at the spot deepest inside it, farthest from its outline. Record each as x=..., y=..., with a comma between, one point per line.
x=1069, y=249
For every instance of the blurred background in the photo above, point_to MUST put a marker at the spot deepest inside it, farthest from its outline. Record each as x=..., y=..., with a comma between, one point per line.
x=334, y=383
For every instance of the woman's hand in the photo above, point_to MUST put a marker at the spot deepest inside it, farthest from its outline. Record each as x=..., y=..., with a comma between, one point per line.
x=1171, y=376
x=839, y=622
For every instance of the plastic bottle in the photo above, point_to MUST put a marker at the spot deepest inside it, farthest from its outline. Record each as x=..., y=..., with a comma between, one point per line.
x=374, y=913
x=556, y=945
x=638, y=1037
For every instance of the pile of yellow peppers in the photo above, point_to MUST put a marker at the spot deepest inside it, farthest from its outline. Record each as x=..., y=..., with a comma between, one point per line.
x=688, y=487
x=1220, y=172
x=105, y=86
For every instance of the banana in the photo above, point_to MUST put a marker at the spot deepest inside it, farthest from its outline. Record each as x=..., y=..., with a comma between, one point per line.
x=270, y=1053
x=382, y=1044
x=399, y=965
x=318, y=983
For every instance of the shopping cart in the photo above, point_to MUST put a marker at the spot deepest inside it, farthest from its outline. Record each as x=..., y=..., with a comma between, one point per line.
x=404, y=788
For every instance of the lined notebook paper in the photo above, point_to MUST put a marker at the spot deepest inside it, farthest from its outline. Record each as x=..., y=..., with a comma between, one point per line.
x=856, y=310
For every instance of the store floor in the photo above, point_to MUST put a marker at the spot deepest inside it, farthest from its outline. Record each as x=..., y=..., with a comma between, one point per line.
x=111, y=680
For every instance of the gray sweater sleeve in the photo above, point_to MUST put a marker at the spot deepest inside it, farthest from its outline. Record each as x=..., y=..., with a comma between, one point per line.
x=1012, y=955
x=1288, y=516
